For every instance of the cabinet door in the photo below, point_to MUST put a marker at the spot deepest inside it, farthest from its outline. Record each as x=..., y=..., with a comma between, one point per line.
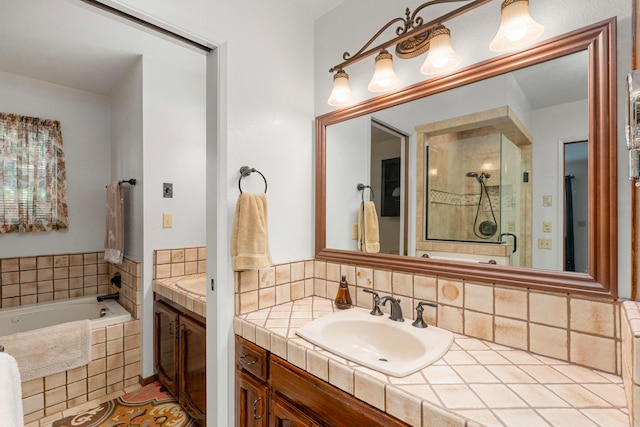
x=165, y=337
x=283, y=414
x=193, y=368
x=251, y=401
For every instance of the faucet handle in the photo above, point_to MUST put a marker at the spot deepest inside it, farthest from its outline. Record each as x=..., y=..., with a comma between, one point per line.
x=376, y=302
x=419, y=322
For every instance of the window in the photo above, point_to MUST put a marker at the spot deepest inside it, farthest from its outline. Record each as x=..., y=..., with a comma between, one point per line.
x=33, y=180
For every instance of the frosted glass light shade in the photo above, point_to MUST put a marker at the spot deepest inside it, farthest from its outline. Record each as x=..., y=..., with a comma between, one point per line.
x=517, y=28
x=384, y=78
x=341, y=94
x=441, y=57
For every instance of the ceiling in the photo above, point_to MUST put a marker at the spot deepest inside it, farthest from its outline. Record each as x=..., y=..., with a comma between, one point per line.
x=33, y=44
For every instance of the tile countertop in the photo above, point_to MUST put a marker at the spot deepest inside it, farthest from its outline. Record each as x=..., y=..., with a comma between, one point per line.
x=476, y=383
x=192, y=302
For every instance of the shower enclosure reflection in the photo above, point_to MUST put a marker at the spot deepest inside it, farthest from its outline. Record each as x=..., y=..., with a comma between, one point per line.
x=474, y=192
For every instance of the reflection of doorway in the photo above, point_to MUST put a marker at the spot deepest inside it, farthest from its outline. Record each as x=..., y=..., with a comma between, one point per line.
x=388, y=179
x=576, y=206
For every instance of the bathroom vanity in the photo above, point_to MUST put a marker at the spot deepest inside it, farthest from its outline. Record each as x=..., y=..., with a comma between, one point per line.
x=282, y=379
x=272, y=392
x=180, y=353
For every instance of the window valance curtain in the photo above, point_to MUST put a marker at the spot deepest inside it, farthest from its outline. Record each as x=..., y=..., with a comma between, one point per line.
x=33, y=180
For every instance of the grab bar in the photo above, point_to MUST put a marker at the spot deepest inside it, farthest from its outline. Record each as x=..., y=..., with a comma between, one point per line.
x=515, y=240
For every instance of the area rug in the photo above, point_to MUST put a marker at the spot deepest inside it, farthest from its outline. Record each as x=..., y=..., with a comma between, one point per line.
x=150, y=406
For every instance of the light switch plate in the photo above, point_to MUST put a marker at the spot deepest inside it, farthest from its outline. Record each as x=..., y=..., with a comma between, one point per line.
x=546, y=201
x=354, y=231
x=544, y=243
x=546, y=226
x=167, y=220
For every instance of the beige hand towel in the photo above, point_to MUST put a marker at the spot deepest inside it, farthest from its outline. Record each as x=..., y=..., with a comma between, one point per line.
x=114, y=233
x=368, y=233
x=249, y=236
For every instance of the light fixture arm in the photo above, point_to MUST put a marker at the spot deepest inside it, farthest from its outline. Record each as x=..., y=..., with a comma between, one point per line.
x=413, y=26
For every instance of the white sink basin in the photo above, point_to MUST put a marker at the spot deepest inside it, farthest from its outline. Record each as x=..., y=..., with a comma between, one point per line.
x=377, y=342
x=196, y=285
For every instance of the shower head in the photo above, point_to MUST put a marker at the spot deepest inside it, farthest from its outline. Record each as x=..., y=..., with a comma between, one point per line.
x=479, y=177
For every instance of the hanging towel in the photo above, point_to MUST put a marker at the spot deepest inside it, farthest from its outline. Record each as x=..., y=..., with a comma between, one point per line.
x=368, y=233
x=10, y=392
x=249, y=236
x=114, y=236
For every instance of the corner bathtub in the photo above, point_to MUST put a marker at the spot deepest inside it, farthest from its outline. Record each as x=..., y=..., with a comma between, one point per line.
x=36, y=316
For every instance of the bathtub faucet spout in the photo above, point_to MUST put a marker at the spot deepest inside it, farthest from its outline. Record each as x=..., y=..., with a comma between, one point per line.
x=110, y=296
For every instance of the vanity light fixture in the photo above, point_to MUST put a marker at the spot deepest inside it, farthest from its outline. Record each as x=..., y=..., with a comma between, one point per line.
x=414, y=37
x=341, y=94
x=517, y=27
x=384, y=78
x=441, y=58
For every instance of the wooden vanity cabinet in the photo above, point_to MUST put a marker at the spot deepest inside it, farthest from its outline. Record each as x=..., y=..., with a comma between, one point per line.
x=165, y=355
x=180, y=356
x=252, y=397
x=295, y=398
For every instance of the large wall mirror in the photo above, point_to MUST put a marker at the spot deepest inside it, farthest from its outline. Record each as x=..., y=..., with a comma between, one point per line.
x=486, y=156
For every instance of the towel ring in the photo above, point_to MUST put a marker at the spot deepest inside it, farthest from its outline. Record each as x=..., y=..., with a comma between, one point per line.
x=246, y=171
x=361, y=187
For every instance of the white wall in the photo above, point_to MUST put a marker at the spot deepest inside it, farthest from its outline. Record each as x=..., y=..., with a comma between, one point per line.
x=348, y=156
x=173, y=148
x=471, y=34
x=552, y=127
x=126, y=155
x=85, y=122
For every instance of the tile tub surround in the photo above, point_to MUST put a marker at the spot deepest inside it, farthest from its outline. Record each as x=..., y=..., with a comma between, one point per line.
x=571, y=328
x=114, y=366
x=476, y=383
x=28, y=280
x=131, y=290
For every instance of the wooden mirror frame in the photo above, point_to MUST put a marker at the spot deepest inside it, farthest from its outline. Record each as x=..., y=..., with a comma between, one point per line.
x=601, y=280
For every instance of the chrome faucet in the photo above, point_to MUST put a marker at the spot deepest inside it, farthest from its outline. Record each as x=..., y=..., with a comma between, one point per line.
x=396, y=310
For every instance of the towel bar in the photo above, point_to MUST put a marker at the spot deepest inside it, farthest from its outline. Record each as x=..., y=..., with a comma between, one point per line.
x=361, y=187
x=246, y=171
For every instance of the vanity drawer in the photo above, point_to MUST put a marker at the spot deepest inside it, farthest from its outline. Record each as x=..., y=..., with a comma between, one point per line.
x=251, y=358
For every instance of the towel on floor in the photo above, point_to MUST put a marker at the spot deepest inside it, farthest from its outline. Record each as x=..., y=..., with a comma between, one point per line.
x=10, y=392
x=114, y=236
x=368, y=233
x=249, y=235
x=50, y=350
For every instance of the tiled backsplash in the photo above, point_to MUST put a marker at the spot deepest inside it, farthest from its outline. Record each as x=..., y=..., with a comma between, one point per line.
x=28, y=280
x=566, y=327
x=179, y=262
x=115, y=364
x=630, y=312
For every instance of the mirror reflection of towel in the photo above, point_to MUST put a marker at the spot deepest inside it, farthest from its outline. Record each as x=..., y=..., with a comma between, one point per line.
x=249, y=236
x=368, y=233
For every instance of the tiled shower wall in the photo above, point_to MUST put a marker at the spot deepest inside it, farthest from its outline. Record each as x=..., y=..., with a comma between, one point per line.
x=580, y=330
